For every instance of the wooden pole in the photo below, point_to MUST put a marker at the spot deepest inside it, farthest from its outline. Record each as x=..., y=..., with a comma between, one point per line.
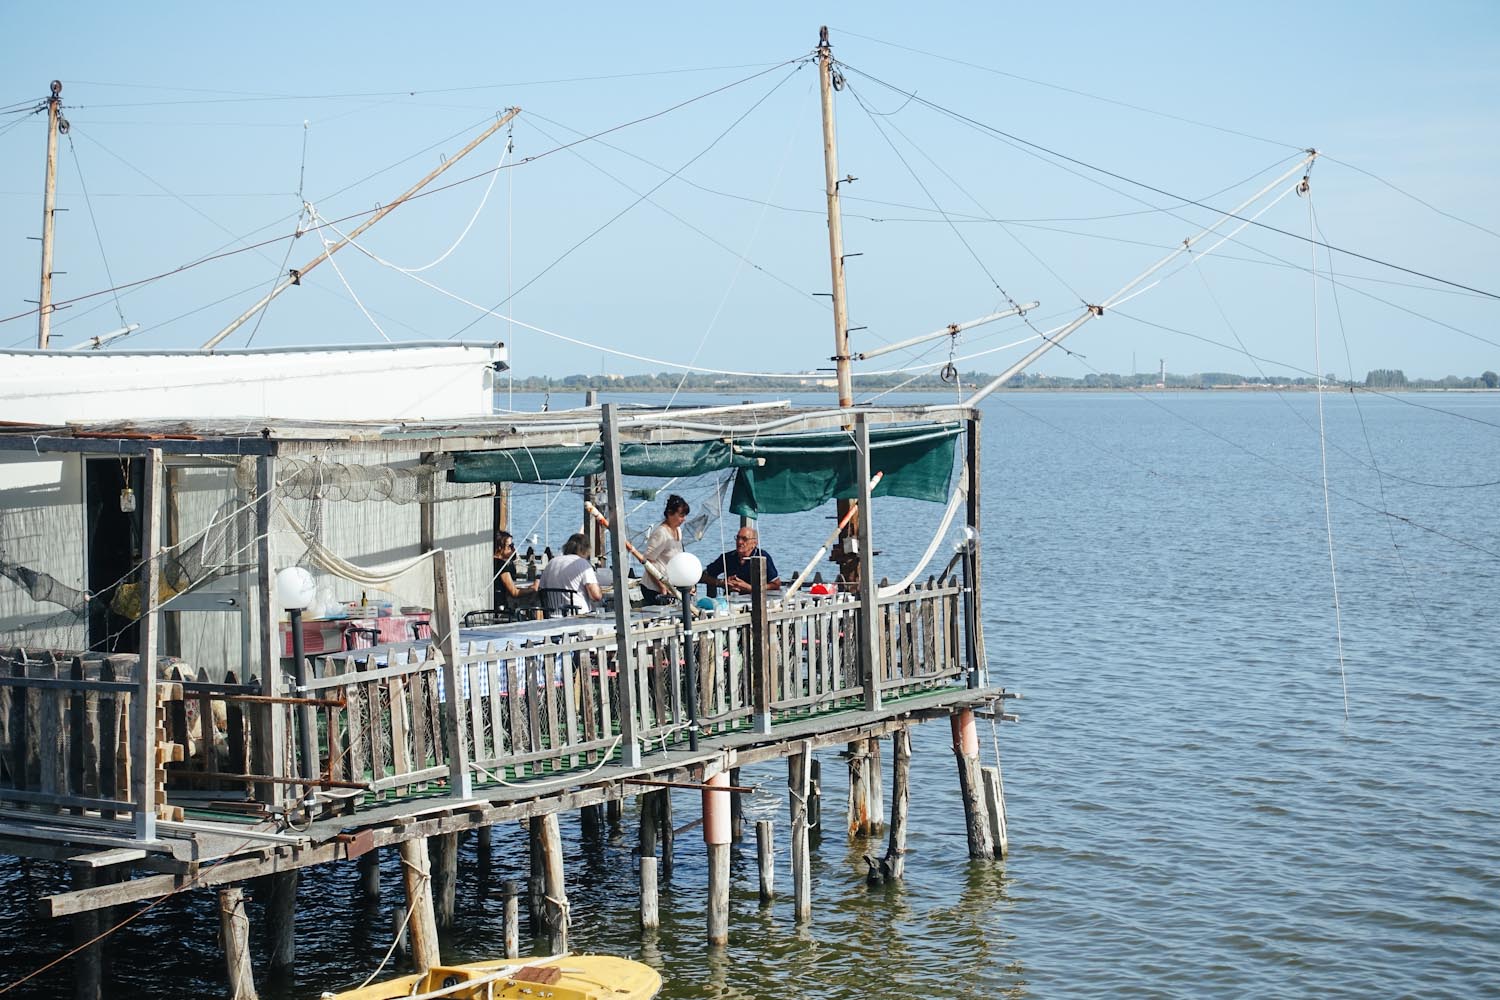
x=831, y=183
x=869, y=605
x=271, y=730
x=536, y=883
x=736, y=809
x=761, y=665
x=874, y=781
x=981, y=673
x=416, y=877
x=445, y=638
x=649, y=815
x=49, y=212
x=443, y=852
x=625, y=665
x=281, y=919
x=665, y=831
x=799, y=781
x=716, y=837
x=145, y=781
x=557, y=890
x=614, y=813
x=591, y=821
x=859, y=791
x=815, y=800
x=369, y=876
x=512, y=929
x=88, y=963
x=900, y=800
x=765, y=856
x=234, y=937
x=650, y=911
x=994, y=809
x=966, y=751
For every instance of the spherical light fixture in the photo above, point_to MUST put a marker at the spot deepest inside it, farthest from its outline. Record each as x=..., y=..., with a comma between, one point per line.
x=295, y=588
x=684, y=570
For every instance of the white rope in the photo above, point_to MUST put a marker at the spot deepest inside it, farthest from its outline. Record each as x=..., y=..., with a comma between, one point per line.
x=494, y=176
x=327, y=243
x=937, y=539
x=370, y=576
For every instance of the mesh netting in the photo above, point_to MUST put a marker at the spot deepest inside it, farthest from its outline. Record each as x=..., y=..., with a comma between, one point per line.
x=303, y=479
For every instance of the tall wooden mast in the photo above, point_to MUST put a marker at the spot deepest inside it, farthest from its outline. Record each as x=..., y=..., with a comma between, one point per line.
x=55, y=123
x=835, y=222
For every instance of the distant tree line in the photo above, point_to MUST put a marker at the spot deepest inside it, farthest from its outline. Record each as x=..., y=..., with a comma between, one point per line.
x=1378, y=378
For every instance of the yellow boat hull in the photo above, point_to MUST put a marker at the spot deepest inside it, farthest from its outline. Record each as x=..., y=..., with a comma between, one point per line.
x=562, y=977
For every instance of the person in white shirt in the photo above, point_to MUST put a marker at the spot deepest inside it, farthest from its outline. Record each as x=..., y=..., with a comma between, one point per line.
x=664, y=542
x=571, y=571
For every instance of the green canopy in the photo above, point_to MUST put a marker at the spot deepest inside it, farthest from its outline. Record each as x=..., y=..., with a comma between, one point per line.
x=776, y=473
x=799, y=472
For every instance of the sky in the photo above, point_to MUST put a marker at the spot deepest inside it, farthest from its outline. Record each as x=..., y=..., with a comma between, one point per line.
x=1000, y=153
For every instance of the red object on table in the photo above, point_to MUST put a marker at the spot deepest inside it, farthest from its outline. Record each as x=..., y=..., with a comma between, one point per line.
x=332, y=635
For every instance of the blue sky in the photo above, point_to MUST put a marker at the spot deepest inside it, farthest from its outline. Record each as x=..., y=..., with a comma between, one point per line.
x=188, y=135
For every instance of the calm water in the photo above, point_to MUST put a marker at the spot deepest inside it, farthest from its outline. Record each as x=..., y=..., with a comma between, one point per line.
x=1191, y=812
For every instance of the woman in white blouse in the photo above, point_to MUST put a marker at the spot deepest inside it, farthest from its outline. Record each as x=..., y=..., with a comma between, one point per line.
x=664, y=542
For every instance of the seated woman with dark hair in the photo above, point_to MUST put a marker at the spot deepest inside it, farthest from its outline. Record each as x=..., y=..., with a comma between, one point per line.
x=509, y=594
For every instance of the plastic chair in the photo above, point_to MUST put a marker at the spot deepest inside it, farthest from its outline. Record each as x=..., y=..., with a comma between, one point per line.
x=559, y=602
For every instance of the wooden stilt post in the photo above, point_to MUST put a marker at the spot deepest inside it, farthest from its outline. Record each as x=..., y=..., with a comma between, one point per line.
x=556, y=889
x=87, y=964
x=625, y=665
x=900, y=800
x=815, y=800
x=799, y=781
x=736, y=809
x=665, y=831
x=281, y=918
x=536, y=884
x=369, y=876
x=765, y=856
x=614, y=814
x=485, y=843
x=443, y=852
x=591, y=821
x=234, y=937
x=512, y=930
x=716, y=823
x=416, y=876
x=859, y=791
x=966, y=750
x=445, y=639
x=994, y=809
x=875, y=782
x=650, y=912
x=869, y=602
x=650, y=814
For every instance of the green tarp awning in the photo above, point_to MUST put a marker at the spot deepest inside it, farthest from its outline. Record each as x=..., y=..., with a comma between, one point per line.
x=776, y=473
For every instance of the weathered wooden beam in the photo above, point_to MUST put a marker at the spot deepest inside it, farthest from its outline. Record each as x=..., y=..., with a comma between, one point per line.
x=716, y=838
x=557, y=891
x=88, y=966
x=765, y=857
x=650, y=909
x=512, y=912
x=994, y=810
x=234, y=937
x=281, y=919
x=966, y=752
x=626, y=667
x=144, y=784
x=442, y=851
x=900, y=800
x=869, y=613
x=416, y=879
x=445, y=638
x=799, y=782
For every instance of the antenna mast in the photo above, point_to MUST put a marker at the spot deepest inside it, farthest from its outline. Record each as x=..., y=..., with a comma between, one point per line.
x=56, y=123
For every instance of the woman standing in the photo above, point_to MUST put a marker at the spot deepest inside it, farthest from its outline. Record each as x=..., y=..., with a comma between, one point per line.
x=664, y=542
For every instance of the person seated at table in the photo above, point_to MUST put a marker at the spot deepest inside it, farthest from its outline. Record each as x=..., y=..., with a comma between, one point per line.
x=509, y=594
x=664, y=542
x=572, y=572
x=728, y=570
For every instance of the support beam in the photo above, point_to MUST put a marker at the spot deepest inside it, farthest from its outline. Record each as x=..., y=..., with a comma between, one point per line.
x=443, y=852
x=650, y=908
x=966, y=751
x=87, y=963
x=234, y=938
x=765, y=857
x=982, y=672
x=665, y=831
x=143, y=776
x=281, y=920
x=736, y=809
x=416, y=877
x=445, y=638
x=625, y=665
x=369, y=876
x=799, y=782
x=557, y=890
x=859, y=791
x=900, y=800
x=512, y=929
x=536, y=882
x=869, y=613
x=994, y=809
x=875, y=783
x=269, y=758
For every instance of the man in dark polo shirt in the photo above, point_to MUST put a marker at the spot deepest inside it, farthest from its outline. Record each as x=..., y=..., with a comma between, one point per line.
x=728, y=570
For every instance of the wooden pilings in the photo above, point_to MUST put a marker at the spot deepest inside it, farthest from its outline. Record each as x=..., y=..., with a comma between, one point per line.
x=900, y=801
x=765, y=856
x=650, y=908
x=88, y=963
x=556, y=894
x=716, y=837
x=966, y=752
x=512, y=929
x=443, y=852
x=281, y=913
x=799, y=783
x=859, y=791
x=416, y=877
x=369, y=876
x=234, y=937
x=994, y=809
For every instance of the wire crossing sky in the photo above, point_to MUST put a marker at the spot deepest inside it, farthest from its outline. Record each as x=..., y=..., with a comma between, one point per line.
x=667, y=202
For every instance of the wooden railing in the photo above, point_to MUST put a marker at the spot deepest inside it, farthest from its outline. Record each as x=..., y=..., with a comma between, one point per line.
x=527, y=707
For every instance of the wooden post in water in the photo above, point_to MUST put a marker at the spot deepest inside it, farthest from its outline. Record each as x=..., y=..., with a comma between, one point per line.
x=875, y=784
x=536, y=883
x=416, y=877
x=815, y=800
x=859, y=791
x=87, y=964
x=716, y=833
x=765, y=856
x=234, y=937
x=900, y=800
x=799, y=782
x=966, y=750
x=281, y=919
x=556, y=889
x=591, y=821
x=994, y=809
x=512, y=930
x=369, y=875
x=665, y=831
x=443, y=852
x=736, y=809
x=650, y=910
x=614, y=814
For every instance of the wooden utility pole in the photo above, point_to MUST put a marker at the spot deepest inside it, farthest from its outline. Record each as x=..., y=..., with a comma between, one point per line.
x=835, y=222
x=56, y=123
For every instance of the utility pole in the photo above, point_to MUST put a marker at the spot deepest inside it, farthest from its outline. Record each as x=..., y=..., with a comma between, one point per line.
x=56, y=123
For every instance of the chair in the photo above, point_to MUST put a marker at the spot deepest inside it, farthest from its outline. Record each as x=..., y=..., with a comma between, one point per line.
x=559, y=602
x=488, y=616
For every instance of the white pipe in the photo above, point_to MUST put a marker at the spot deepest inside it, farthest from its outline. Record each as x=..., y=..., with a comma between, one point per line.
x=947, y=331
x=94, y=343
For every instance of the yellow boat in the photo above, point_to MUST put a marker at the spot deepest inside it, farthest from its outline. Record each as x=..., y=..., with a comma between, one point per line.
x=560, y=977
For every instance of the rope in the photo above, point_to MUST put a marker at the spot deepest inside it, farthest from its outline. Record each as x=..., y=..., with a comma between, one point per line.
x=411, y=909
x=958, y=496
x=370, y=576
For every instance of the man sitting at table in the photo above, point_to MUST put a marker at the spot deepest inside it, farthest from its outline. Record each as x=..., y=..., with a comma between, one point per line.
x=571, y=572
x=728, y=570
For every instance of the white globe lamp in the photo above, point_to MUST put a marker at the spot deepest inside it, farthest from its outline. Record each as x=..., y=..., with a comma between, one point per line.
x=683, y=572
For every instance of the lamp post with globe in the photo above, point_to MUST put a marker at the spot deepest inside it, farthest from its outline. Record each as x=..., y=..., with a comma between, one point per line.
x=294, y=590
x=683, y=572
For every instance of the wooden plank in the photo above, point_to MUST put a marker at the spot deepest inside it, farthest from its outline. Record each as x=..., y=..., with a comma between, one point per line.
x=355, y=714
x=472, y=671
x=375, y=725
x=51, y=754
x=538, y=685
x=499, y=710
x=207, y=731
x=421, y=719
x=400, y=751
x=520, y=734
x=596, y=663
x=569, y=686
